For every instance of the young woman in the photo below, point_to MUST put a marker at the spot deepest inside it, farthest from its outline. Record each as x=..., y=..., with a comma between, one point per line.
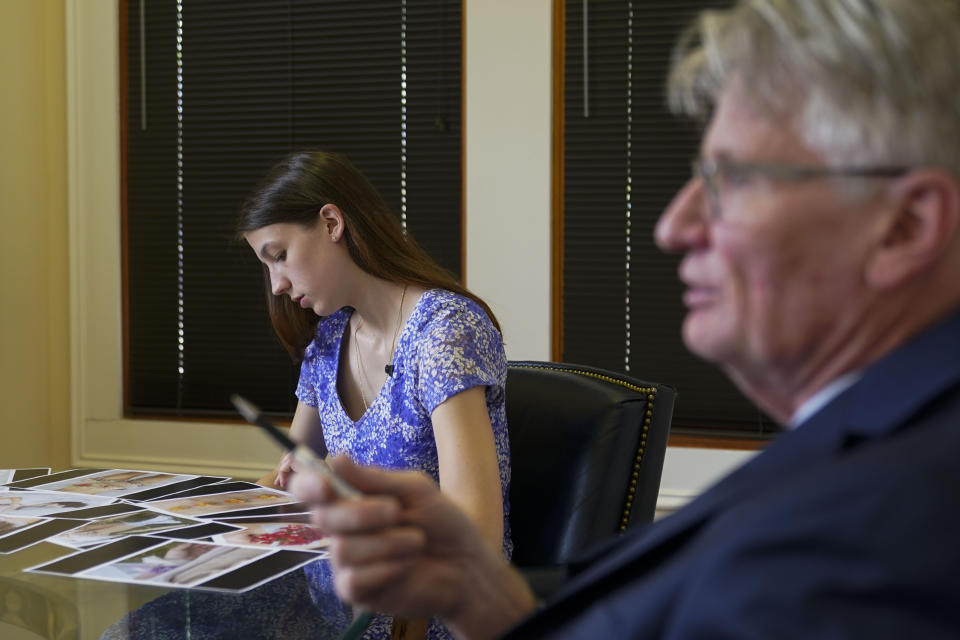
x=401, y=366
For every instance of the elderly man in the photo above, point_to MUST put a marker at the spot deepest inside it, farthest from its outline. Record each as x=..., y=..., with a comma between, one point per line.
x=820, y=235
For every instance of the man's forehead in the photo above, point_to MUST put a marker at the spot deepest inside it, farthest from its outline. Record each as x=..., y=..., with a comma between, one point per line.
x=741, y=130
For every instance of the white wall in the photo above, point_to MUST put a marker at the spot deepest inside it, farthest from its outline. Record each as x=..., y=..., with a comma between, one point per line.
x=507, y=158
x=507, y=167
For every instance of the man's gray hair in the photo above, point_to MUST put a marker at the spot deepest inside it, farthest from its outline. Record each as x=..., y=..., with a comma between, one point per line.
x=865, y=81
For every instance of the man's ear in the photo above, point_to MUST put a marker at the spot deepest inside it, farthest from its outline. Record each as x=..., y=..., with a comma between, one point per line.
x=331, y=218
x=922, y=224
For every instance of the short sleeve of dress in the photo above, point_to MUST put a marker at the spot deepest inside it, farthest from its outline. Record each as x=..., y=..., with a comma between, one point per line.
x=307, y=384
x=459, y=349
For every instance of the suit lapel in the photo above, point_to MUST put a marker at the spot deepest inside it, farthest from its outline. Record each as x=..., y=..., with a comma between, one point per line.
x=901, y=384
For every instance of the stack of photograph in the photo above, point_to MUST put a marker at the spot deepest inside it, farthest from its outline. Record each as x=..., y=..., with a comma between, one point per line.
x=155, y=528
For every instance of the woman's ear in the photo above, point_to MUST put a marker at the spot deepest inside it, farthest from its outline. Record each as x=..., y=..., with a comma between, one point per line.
x=331, y=218
x=923, y=225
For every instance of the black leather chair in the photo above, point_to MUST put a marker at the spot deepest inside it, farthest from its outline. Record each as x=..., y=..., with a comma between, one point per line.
x=587, y=448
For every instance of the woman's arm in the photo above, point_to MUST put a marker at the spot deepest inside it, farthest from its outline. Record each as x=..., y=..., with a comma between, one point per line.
x=305, y=428
x=404, y=548
x=467, y=455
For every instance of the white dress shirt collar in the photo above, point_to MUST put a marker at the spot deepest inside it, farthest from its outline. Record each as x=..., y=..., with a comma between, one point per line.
x=822, y=398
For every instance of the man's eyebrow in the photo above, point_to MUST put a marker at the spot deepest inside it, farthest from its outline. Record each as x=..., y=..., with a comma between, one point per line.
x=716, y=154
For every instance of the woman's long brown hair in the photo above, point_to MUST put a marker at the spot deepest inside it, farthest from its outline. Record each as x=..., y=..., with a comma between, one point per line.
x=295, y=190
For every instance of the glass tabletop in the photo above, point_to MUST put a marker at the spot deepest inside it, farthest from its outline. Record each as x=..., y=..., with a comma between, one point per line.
x=35, y=605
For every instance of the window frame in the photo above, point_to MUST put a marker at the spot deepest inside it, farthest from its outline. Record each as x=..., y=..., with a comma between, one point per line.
x=495, y=187
x=100, y=436
x=277, y=103
x=712, y=436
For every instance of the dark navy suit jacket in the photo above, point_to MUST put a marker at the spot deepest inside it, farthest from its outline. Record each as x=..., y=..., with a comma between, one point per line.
x=847, y=527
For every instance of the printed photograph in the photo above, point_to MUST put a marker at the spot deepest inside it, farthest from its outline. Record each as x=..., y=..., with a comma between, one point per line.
x=273, y=534
x=222, y=502
x=15, y=475
x=114, y=482
x=36, y=533
x=12, y=524
x=46, y=503
x=176, y=564
x=113, y=528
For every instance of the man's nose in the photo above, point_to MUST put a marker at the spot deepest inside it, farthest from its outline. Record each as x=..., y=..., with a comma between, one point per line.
x=683, y=224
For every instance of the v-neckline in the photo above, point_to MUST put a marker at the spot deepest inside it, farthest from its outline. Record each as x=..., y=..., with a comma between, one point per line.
x=401, y=339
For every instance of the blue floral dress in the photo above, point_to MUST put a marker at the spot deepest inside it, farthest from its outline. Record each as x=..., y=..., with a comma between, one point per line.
x=447, y=345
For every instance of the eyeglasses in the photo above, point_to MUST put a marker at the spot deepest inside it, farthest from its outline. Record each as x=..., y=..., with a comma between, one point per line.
x=719, y=174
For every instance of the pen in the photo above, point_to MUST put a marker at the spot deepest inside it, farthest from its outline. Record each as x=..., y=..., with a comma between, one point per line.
x=301, y=453
x=305, y=456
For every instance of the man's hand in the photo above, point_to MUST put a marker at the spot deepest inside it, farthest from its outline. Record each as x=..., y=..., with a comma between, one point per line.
x=405, y=549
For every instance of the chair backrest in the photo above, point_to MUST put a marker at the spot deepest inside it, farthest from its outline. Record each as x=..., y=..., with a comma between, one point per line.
x=587, y=448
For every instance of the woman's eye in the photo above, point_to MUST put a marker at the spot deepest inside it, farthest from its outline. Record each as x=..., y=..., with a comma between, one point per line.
x=281, y=256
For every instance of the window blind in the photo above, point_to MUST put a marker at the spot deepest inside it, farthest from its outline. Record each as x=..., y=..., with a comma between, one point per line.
x=625, y=156
x=218, y=91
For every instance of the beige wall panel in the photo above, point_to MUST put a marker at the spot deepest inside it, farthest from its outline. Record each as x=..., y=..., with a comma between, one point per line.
x=34, y=316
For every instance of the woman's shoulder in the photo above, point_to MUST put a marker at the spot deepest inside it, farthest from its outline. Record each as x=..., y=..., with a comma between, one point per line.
x=450, y=319
x=440, y=305
x=457, y=346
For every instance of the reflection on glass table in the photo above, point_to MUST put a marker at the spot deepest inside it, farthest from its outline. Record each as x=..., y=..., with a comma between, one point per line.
x=59, y=608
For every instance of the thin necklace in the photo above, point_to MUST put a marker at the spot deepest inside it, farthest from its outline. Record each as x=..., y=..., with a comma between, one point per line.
x=388, y=368
x=356, y=348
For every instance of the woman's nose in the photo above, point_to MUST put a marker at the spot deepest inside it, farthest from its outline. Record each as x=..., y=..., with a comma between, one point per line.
x=278, y=283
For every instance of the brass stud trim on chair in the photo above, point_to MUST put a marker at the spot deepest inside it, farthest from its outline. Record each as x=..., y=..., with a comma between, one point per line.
x=637, y=462
x=651, y=393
